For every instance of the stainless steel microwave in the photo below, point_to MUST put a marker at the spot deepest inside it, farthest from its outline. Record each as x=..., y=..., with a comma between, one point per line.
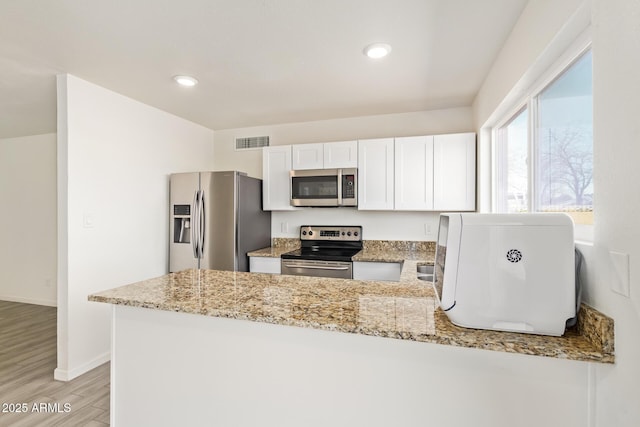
x=324, y=187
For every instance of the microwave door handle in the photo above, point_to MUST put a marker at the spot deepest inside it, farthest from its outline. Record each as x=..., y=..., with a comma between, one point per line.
x=339, y=187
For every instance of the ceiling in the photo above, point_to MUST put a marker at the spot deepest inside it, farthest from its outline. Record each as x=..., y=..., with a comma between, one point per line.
x=258, y=61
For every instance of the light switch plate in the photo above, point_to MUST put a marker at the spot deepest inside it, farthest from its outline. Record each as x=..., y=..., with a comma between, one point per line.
x=620, y=273
x=88, y=220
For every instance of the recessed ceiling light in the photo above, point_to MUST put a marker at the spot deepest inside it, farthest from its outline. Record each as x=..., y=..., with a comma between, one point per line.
x=377, y=50
x=185, y=80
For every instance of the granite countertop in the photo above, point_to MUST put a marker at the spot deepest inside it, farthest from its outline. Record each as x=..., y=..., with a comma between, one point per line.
x=278, y=247
x=403, y=310
x=270, y=252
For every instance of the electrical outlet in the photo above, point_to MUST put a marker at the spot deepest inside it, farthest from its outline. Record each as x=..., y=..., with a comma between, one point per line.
x=427, y=229
x=284, y=227
x=619, y=280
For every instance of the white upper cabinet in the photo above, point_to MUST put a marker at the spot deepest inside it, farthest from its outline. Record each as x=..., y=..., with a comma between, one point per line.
x=418, y=173
x=276, y=164
x=308, y=156
x=342, y=154
x=414, y=173
x=329, y=155
x=375, y=174
x=454, y=177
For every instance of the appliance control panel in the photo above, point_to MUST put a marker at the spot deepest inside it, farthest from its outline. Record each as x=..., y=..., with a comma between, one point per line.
x=348, y=187
x=350, y=233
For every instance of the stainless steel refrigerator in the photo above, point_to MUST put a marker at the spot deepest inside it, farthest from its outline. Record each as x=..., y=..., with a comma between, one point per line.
x=216, y=218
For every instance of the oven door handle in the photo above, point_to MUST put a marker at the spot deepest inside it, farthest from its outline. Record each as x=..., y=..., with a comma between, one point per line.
x=317, y=267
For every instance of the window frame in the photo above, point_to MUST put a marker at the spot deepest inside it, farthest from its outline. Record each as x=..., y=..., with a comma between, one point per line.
x=529, y=101
x=500, y=172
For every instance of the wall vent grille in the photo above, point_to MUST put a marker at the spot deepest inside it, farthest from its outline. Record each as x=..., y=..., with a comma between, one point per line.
x=252, y=142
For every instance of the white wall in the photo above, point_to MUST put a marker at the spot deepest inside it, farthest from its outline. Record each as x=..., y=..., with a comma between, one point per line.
x=614, y=391
x=387, y=125
x=543, y=31
x=114, y=157
x=376, y=225
x=616, y=89
x=28, y=218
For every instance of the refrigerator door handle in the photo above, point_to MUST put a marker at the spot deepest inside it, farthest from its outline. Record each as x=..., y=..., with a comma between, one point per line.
x=339, y=187
x=201, y=226
x=195, y=236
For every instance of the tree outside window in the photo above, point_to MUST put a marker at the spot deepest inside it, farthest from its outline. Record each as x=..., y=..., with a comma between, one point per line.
x=559, y=119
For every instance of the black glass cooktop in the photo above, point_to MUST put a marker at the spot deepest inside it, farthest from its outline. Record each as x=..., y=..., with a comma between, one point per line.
x=323, y=254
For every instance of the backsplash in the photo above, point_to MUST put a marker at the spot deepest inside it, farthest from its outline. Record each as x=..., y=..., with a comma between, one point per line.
x=399, y=245
x=285, y=242
x=374, y=245
x=376, y=225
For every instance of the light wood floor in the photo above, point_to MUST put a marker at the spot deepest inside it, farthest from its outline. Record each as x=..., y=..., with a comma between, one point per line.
x=27, y=361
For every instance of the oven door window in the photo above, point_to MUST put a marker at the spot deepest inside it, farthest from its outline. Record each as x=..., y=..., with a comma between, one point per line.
x=314, y=187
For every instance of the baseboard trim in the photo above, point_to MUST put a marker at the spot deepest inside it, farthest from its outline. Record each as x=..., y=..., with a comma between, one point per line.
x=69, y=374
x=29, y=300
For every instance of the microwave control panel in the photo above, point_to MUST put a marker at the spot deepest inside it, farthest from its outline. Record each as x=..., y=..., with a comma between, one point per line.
x=348, y=187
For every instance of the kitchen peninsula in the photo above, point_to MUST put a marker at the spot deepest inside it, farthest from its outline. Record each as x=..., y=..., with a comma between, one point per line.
x=208, y=347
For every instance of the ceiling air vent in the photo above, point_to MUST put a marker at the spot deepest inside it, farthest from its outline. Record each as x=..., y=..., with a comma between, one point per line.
x=252, y=142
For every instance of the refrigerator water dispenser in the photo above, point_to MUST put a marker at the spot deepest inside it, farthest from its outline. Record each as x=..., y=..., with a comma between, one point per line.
x=181, y=223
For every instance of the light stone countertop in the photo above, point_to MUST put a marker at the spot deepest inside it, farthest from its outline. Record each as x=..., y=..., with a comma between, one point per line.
x=279, y=246
x=270, y=252
x=403, y=310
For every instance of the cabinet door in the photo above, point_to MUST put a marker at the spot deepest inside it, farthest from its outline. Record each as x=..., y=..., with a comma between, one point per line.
x=264, y=265
x=308, y=156
x=276, y=164
x=414, y=173
x=385, y=271
x=375, y=174
x=341, y=154
x=454, y=176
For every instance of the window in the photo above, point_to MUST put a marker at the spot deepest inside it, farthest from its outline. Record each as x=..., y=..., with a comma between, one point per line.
x=544, y=153
x=513, y=147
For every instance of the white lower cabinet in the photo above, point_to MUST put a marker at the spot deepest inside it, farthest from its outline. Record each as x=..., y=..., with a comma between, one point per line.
x=258, y=264
x=385, y=271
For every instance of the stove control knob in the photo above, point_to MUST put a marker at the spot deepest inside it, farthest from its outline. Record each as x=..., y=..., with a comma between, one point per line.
x=304, y=233
x=355, y=233
x=343, y=233
x=348, y=233
x=311, y=233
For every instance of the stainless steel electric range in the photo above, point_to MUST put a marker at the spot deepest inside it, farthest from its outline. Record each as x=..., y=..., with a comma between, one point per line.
x=325, y=251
